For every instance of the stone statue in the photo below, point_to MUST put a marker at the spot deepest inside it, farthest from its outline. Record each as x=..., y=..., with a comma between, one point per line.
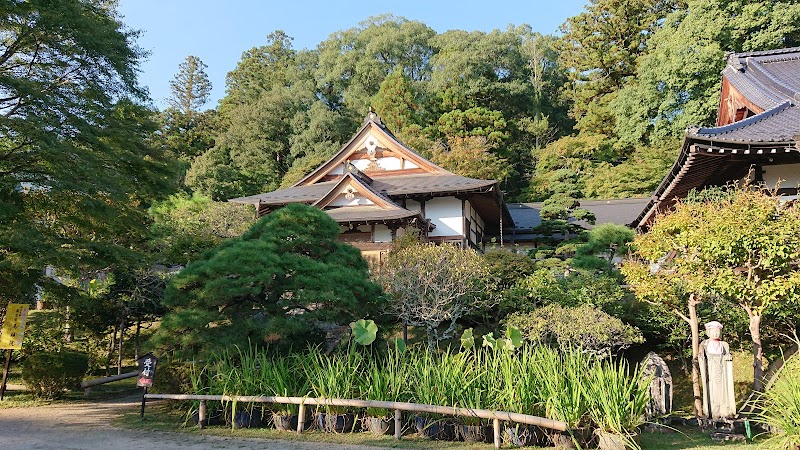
x=655, y=369
x=716, y=372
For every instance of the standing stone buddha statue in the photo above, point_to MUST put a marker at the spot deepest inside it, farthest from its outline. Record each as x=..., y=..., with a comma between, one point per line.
x=716, y=371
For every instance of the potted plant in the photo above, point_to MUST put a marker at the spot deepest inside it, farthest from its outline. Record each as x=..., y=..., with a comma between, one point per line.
x=434, y=380
x=385, y=380
x=616, y=404
x=334, y=377
x=563, y=396
x=284, y=380
x=519, y=394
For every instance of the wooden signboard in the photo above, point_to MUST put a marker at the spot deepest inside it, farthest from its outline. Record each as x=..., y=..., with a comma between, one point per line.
x=11, y=335
x=14, y=326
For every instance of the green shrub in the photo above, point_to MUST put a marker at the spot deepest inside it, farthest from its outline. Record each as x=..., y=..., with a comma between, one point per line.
x=584, y=327
x=48, y=374
x=780, y=406
x=548, y=287
x=173, y=378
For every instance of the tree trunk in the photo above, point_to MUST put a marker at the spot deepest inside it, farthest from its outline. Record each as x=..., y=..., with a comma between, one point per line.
x=405, y=332
x=695, y=326
x=136, y=338
x=112, y=343
x=758, y=351
x=431, y=340
x=119, y=352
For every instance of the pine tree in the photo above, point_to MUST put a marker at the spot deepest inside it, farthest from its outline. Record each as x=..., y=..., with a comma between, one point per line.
x=190, y=87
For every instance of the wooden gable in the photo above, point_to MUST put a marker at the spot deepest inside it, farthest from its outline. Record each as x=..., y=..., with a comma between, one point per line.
x=351, y=191
x=733, y=105
x=376, y=152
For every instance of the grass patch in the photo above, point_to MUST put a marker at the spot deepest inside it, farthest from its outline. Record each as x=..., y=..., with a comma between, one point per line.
x=24, y=399
x=689, y=439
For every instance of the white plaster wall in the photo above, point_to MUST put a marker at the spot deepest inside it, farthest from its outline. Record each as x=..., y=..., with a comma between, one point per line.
x=382, y=234
x=390, y=163
x=413, y=205
x=788, y=174
x=338, y=170
x=445, y=213
x=360, y=164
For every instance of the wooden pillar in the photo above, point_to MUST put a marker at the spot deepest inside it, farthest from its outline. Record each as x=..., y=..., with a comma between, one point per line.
x=464, y=230
x=201, y=415
x=301, y=417
x=496, y=433
x=398, y=423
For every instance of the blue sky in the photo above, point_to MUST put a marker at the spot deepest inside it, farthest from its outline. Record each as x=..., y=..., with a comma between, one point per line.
x=219, y=31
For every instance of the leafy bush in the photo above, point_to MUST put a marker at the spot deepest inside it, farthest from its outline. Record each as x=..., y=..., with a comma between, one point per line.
x=583, y=327
x=173, y=377
x=48, y=374
x=781, y=406
x=545, y=287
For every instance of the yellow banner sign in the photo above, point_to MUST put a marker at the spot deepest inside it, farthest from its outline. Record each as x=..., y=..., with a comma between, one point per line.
x=14, y=326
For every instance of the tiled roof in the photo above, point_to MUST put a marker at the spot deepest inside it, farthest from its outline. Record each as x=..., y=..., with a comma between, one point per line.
x=621, y=211
x=778, y=124
x=717, y=155
x=296, y=194
x=766, y=78
x=400, y=185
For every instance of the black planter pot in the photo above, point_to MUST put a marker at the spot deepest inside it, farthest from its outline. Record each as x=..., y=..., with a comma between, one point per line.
x=524, y=436
x=475, y=433
x=288, y=423
x=379, y=425
x=248, y=419
x=435, y=429
x=337, y=423
x=215, y=417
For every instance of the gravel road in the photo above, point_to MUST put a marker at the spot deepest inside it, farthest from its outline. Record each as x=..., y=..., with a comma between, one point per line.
x=88, y=426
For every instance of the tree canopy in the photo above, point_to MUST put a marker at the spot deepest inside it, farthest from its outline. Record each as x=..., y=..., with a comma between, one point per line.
x=742, y=246
x=280, y=283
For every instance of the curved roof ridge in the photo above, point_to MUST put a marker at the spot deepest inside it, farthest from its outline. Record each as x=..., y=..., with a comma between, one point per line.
x=783, y=87
x=777, y=51
x=742, y=123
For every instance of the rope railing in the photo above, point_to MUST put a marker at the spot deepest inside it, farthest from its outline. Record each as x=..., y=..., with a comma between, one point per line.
x=398, y=407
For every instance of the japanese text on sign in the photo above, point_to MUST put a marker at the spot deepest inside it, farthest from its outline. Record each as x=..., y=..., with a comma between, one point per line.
x=147, y=370
x=14, y=326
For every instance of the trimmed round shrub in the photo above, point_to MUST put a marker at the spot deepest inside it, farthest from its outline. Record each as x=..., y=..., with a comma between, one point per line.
x=583, y=327
x=49, y=374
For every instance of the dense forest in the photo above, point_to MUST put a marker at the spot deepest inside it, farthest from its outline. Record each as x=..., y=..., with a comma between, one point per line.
x=95, y=181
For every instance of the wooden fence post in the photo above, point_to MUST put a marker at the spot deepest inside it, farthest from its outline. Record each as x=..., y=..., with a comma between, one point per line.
x=398, y=423
x=301, y=417
x=496, y=433
x=201, y=415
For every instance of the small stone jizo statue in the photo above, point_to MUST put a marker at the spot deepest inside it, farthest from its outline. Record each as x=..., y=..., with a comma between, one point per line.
x=655, y=369
x=716, y=372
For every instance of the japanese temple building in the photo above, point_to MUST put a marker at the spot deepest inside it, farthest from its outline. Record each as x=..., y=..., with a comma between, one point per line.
x=376, y=188
x=756, y=134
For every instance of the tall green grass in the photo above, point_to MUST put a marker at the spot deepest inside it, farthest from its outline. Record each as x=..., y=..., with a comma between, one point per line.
x=387, y=379
x=616, y=399
x=536, y=380
x=334, y=376
x=780, y=407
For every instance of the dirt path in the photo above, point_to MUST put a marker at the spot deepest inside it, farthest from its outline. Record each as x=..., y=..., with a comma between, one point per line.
x=88, y=426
